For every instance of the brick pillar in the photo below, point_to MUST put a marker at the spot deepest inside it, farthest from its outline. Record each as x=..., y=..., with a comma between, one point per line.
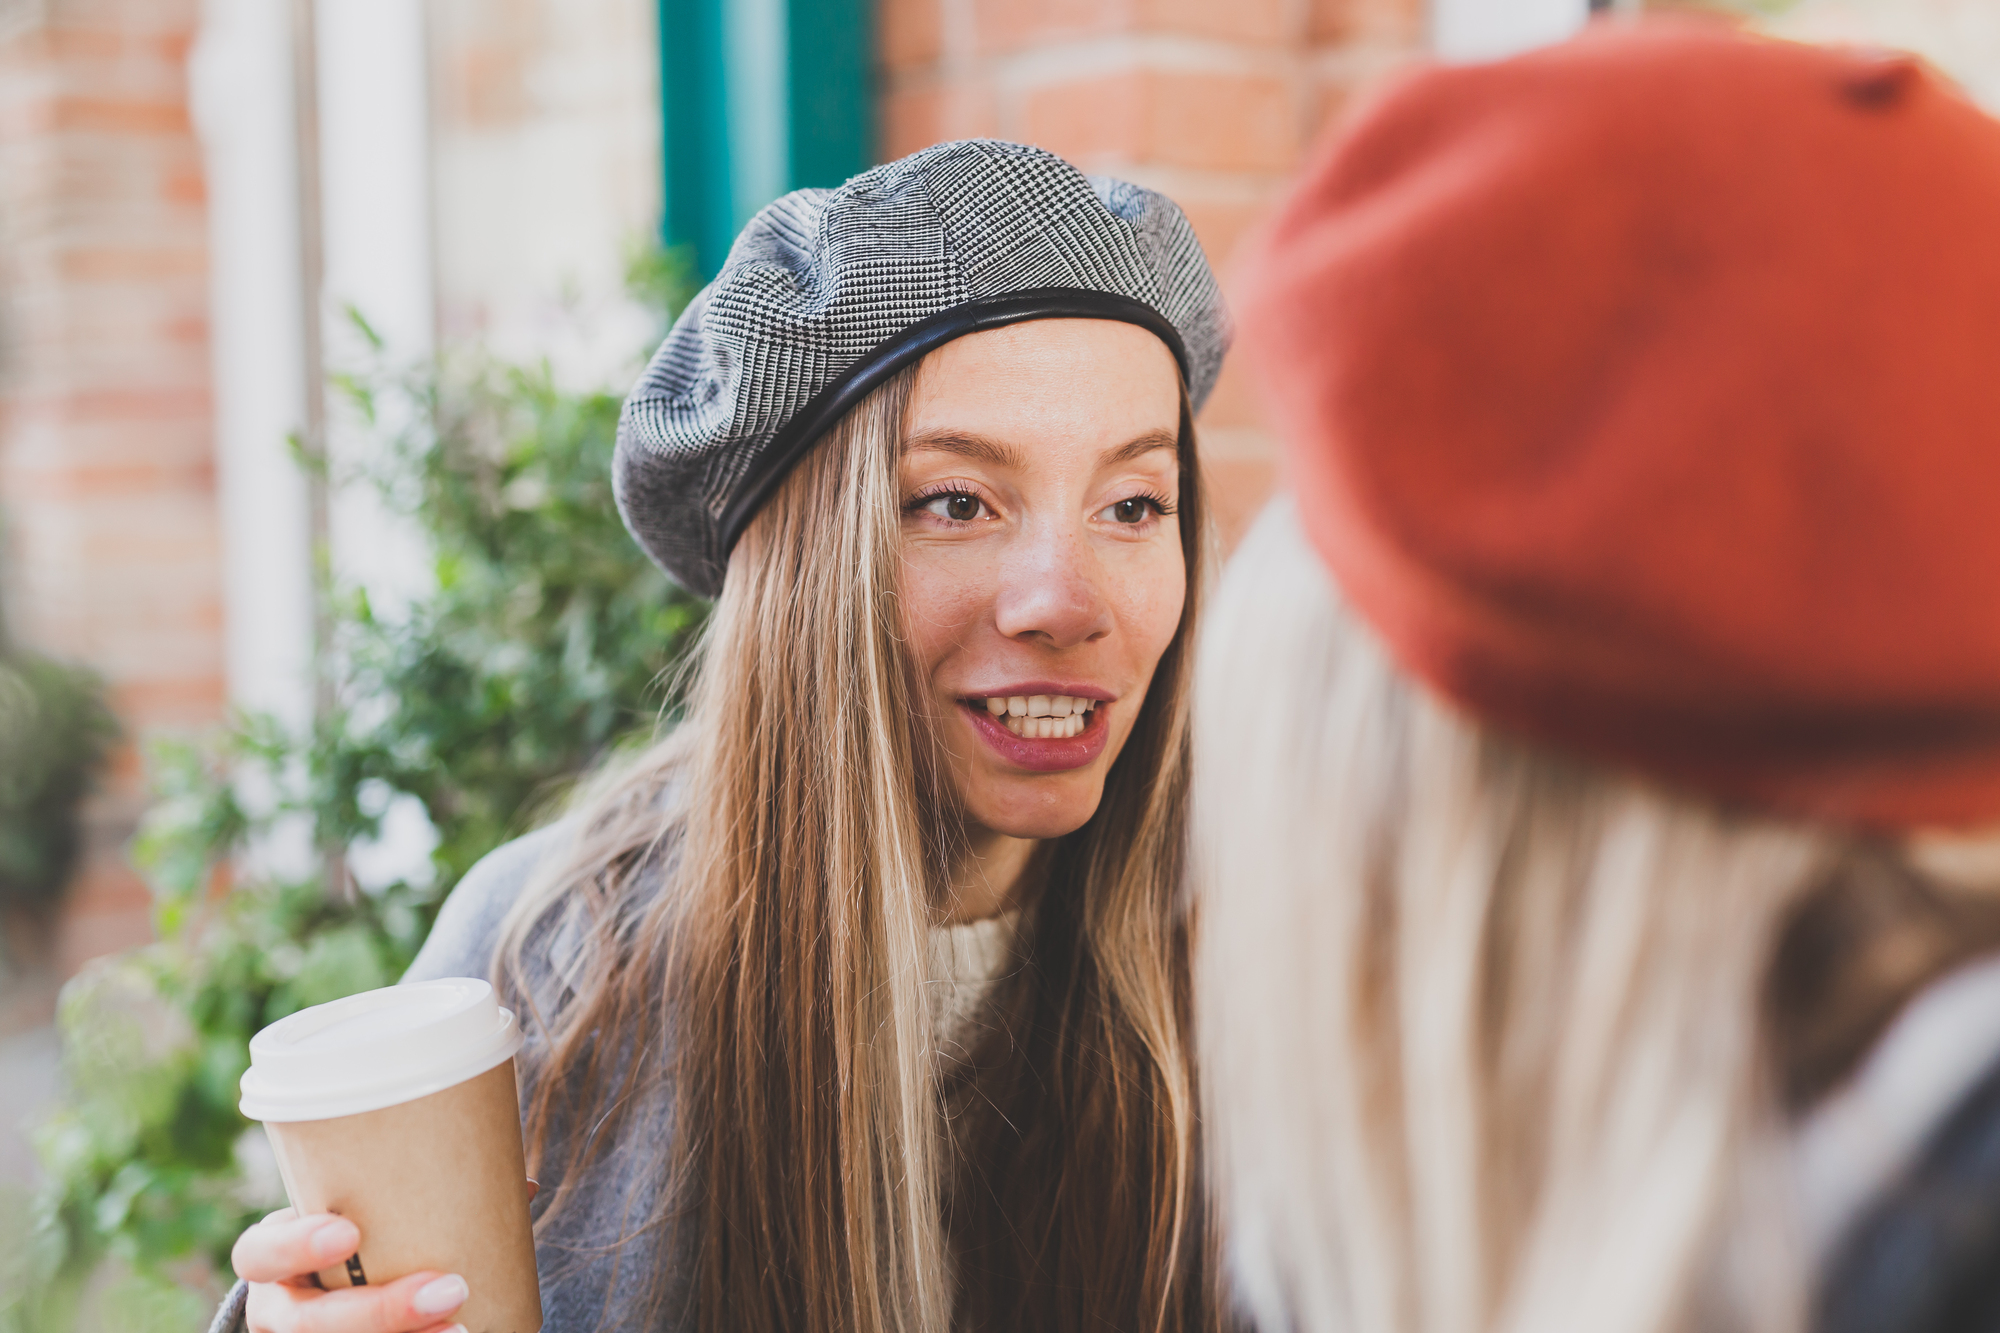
x=107, y=481
x=1210, y=101
x=545, y=154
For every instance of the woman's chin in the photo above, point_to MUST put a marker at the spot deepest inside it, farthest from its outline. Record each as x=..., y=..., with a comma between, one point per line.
x=1050, y=806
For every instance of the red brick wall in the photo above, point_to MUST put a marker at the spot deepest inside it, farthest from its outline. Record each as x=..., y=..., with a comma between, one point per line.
x=1210, y=101
x=107, y=482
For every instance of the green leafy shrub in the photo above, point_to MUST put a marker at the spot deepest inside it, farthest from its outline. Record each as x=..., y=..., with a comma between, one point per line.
x=146, y=1159
x=546, y=641
x=55, y=731
x=548, y=632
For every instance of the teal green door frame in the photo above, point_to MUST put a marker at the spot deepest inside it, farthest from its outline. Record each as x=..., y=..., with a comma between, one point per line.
x=831, y=89
x=758, y=97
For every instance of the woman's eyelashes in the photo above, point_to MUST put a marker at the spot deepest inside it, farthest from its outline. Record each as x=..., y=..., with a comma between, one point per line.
x=1137, y=511
x=954, y=504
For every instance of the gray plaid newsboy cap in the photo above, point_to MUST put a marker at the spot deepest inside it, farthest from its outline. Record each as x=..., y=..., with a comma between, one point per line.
x=829, y=292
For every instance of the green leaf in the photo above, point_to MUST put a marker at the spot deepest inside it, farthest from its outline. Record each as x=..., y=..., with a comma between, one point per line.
x=116, y=1201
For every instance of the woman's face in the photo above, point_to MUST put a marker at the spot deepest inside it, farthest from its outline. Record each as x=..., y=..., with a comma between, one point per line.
x=1042, y=567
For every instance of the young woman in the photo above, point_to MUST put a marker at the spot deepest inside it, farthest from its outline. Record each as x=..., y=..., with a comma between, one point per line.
x=1597, y=756
x=860, y=1002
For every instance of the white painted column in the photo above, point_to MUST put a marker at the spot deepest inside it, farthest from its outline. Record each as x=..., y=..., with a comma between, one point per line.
x=1491, y=29
x=376, y=224
x=374, y=132
x=375, y=181
x=240, y=74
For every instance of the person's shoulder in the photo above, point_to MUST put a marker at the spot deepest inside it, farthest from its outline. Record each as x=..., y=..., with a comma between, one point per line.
x=1924, y=1255
x=463, y=941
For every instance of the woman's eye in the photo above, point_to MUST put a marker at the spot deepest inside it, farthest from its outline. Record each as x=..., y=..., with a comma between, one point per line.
x=958, y=506
x=1132, y=509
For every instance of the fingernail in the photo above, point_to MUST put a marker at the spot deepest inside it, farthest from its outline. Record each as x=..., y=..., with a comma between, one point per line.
x=331, y=1240
x=440, y=1295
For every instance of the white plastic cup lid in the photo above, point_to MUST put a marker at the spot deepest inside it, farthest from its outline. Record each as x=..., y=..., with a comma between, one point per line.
x=379, y=1048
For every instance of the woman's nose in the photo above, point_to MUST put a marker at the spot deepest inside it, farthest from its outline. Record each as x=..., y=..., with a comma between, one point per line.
x=1050, y=590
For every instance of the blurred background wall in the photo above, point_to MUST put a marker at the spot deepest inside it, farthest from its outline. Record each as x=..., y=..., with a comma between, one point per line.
x=107, y=409
x=192, y=192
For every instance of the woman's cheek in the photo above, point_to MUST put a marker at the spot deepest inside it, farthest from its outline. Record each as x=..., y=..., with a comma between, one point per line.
x=942, y=600
x=1154, y=592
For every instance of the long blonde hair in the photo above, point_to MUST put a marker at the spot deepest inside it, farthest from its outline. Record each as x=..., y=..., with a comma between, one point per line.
x=756, y=896
x=1495, y=1040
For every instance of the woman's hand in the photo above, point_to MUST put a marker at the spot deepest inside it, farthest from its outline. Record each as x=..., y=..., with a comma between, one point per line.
x=279, y=1256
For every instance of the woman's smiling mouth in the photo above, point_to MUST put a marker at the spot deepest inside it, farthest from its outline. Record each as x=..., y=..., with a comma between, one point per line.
x=1043, y=733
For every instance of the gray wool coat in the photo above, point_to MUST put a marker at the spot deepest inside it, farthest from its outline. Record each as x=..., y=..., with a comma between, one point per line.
x=596, y=1259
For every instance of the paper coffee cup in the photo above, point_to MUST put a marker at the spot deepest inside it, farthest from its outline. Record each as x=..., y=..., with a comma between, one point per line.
x=397, y=1109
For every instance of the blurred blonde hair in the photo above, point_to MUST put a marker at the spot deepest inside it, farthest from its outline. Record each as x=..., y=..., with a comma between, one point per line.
x=799, y=827
x=1494, y=1040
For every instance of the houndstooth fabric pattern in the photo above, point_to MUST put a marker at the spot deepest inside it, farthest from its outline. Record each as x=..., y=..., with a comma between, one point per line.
x=822, y=280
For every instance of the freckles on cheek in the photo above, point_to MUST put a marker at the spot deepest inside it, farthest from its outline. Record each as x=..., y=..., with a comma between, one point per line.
x=940, y=609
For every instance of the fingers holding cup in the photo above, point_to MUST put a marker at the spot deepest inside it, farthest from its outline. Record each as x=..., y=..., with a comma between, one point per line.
x=418, y=1303
x=285, y=1247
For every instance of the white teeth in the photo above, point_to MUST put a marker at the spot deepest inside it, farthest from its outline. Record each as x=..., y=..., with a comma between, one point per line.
x=1047, y=728
x=1042, y=716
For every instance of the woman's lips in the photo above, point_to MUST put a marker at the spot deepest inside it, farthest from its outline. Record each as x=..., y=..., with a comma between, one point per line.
x=1043, y=755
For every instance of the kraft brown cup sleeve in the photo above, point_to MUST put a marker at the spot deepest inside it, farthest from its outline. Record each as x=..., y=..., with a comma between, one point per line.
x=435, y=1183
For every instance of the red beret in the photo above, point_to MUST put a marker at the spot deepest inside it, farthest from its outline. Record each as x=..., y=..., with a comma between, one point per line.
x=1643, y=393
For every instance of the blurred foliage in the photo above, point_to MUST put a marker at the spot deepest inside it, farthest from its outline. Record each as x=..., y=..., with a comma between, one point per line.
x=144, y=1159
x=661, y=278
x=544, y=639
x=544, y=642
x=55, y=732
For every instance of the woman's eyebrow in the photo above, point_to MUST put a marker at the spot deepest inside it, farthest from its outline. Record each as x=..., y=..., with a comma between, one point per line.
x=979, y=448
x=1140, y=446
x=985, y=449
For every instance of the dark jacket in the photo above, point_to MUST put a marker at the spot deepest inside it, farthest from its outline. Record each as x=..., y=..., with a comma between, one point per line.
x=1925, y=1256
